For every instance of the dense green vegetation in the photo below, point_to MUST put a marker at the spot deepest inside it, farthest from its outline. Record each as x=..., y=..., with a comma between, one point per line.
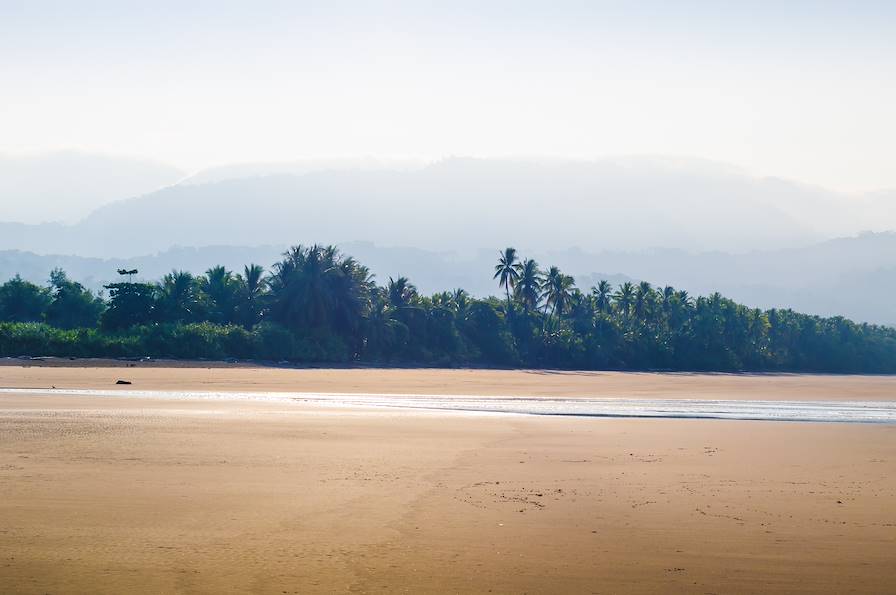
x=317, y=305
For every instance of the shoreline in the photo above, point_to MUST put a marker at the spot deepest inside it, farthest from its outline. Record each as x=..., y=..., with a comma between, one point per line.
x=88, y=362
x=461, y=382
x=805, y=411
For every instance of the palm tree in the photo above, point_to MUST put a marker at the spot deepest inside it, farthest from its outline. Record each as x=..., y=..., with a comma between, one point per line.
x=401, y=292
x=220, y=286
x=581, y=311
x=643, y=299
x=528, y=283
x=216, y=276
x=624, y=298
x=178, y=297
x=441, y=299
x=252, y=285
x=506, y=272
x=253, y=279
x=666, y=298
x=546, y=282
x=300, y=298
x=460, y=302
x=381, y=334
x=602, y=296
x=557, y=291
x=317, y=289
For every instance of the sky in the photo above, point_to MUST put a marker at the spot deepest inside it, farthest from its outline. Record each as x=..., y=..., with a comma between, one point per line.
x=799, y=90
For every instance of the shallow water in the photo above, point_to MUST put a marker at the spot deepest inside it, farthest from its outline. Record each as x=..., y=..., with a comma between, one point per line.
x=808, y=411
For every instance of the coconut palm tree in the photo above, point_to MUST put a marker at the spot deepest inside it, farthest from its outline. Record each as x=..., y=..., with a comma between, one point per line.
x=581, y=310
x=680, y=304
x=643, y=299
x=460, y=303
x=253, y=279
x=299, y=297
x=528, y=284
x=401, y=292
x=441, y=299
x=666, y=296
x=506, y=272
x=602, y=296
x=353, y=285
x=557, y=293
x=624, y=298
x=547, y=281
x=381, y=330
x=179, y=297
x=316, y=289
x=251, y=292
x=220, y=287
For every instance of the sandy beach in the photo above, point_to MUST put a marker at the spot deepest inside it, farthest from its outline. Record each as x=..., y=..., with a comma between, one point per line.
x=116, y=494
x=188, y=376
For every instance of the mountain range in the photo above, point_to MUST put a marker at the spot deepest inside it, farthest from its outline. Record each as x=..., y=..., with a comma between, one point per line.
x=465, y=205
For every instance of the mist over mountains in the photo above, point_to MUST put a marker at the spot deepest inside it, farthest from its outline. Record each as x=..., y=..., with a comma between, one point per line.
x=65, y=186
x=469, y=204
x=695, y=224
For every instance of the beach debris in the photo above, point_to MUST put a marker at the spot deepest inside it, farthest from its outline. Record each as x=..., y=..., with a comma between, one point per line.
x=122, y=381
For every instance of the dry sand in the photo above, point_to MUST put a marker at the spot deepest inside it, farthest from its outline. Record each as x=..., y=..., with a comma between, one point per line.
x=135, y=495
x=196, y=376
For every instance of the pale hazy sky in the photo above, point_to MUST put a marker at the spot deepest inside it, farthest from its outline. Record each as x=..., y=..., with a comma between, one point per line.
x=802, y=90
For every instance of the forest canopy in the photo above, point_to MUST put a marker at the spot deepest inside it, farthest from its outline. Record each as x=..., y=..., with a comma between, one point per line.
x=317, y=305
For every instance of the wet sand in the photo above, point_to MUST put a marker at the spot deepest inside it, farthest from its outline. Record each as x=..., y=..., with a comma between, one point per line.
x=138, y=495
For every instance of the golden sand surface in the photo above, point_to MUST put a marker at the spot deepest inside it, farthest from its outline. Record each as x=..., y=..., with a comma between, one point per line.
x=124, y=495
x=215, y=377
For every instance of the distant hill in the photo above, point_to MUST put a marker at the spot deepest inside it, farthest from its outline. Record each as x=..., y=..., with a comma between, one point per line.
x=67, y=185
x=853, y=277
x=464, y=205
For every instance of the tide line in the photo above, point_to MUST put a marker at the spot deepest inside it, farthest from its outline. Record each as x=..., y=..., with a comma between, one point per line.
x=760, y=410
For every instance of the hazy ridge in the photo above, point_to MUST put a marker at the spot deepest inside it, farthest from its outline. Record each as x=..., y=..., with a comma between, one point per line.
x=469, y=204
x=67, y=185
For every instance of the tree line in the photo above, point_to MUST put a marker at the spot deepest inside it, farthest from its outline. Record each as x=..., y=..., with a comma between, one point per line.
x=318, y=305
